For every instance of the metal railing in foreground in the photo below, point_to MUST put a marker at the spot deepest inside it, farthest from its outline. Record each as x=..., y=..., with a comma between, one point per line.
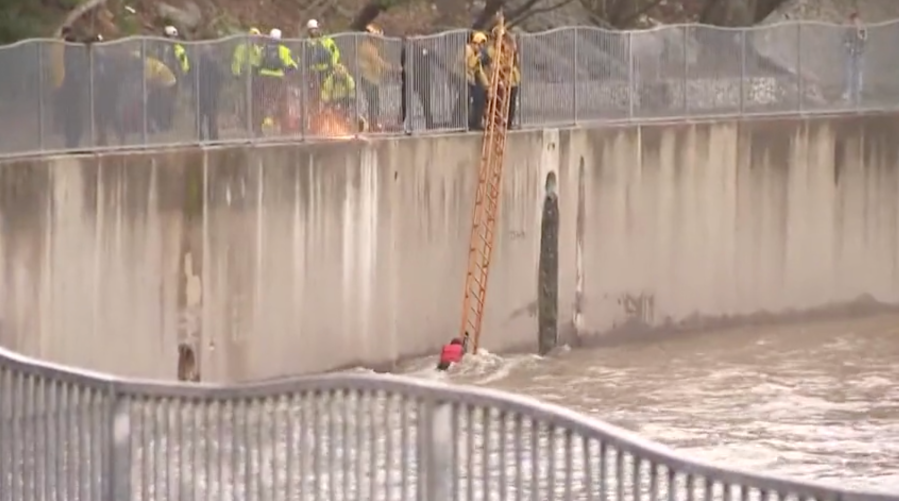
x=73, y=435
x=56, y=97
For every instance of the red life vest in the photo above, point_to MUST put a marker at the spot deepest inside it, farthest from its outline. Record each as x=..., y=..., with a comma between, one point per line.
x=451, y=353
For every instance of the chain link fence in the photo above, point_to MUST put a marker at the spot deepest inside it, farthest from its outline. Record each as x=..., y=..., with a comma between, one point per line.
x=135, y=92
x=79, y=436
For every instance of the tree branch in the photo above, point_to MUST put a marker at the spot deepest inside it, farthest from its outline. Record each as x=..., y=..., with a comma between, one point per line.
x=371, y=10
x=618, y=23
x=765, y=7
x=76, y=14
x=522, y=14
x=488, y=13
x=708, y=10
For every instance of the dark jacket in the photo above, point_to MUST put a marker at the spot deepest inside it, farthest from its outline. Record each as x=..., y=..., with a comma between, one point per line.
x=210, y=77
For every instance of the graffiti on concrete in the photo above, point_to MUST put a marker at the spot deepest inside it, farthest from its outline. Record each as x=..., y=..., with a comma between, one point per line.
x=639, y=308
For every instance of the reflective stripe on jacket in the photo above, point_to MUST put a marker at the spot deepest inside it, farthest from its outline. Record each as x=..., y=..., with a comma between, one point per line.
x=274, y=60
x=181, y=56
x=338, y=86
x=246, y=56
x=330, y=46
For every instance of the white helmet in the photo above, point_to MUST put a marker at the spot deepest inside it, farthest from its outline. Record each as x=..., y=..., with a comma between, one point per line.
x=312, y=24
x=275, y=33
x=171, y=31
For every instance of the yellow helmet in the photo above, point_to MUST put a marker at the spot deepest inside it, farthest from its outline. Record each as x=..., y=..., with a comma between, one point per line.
x=254, y=31
x=371, y=28
x=478, y=37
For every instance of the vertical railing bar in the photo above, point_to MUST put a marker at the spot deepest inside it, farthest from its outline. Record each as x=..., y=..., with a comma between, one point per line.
x=574, y=77
x=743, y=54
x=686, y=32
x=42, y=90
x=631, y=74
x=118, y=457
x=799, y=84
x=247, y=69
x=196, y=55
x=91, y=98
x=145, y=114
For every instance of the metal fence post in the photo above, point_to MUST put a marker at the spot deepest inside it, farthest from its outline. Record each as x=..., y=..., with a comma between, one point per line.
x=436, y=444
x=144, y=91
x=355, y=114
x=631, y=81
x=574, y=71
x=304, y=90
x=247, y=69
x=42, y=90
x=117, y=455
x=91, y=98
x=409, y=73
x=743, y=34
x=195, y=50
x=686, y=55
x=800, y=91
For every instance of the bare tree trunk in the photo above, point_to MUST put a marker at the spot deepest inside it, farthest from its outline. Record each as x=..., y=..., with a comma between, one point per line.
x=733, y=13
x=452, y=10
x=76, y=14
x=763, y=8
x=488, y=14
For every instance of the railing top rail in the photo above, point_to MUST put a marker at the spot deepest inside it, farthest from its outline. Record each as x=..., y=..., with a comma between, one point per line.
x=760, y=27
x=450, y=394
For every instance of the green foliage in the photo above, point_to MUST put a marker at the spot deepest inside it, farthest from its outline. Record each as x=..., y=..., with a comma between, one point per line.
x=225, y=24
x=19, y=20
x=130, y=25
x=22, y=19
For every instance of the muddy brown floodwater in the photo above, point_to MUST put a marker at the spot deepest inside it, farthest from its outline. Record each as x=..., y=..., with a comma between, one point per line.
x=815, y=401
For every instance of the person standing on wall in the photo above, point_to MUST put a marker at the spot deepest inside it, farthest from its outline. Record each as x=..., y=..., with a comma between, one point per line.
x=854, y=41
x=162, y=100
x=244, y=63
x=417, y=65
x=73, y=95
x=339, y=92
x=268, y=96
x=516, y=72
x=477, y=80
x=210, y=76
x=316, y=37
x=372, y=69
x=322, y=56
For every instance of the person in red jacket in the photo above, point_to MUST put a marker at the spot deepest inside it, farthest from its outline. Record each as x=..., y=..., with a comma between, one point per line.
x=451, y=353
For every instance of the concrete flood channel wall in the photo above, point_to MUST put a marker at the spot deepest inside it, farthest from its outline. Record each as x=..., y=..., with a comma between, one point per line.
x=300, y=258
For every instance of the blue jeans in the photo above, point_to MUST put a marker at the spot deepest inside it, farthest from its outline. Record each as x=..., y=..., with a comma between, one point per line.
x=855, y=77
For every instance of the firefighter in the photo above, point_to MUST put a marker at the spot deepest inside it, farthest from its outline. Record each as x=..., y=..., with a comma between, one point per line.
x=516, y=72
x=246, y=55
x=162, y=100
x=210, y=76
x=275, y=62
x=316, y=38
x=175, y=55
x=244, y=62
x=73, y=90
x=339, y=91
x=477, y=80
x=417, y=65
